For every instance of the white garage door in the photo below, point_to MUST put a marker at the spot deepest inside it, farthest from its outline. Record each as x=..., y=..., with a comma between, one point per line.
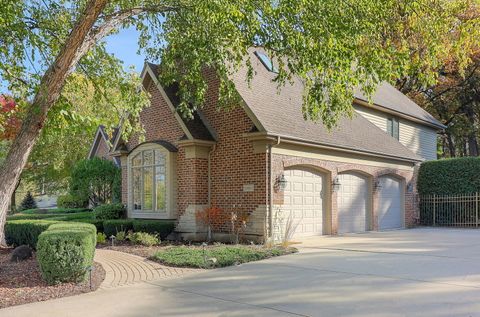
x=390, y=210
x=352, y=203
x=303, y=201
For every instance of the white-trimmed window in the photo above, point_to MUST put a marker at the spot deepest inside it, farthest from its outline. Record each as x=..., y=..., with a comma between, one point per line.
x=150, y=181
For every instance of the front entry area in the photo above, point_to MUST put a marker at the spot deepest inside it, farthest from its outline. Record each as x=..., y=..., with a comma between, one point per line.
x=353, y=202
x=303, y=202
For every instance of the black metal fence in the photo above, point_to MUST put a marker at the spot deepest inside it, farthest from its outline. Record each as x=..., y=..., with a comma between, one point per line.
x=449, y=210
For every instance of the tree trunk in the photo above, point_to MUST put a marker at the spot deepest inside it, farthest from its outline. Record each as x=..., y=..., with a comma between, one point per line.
x=451, y=145
x=48, y=93
x=472, y=136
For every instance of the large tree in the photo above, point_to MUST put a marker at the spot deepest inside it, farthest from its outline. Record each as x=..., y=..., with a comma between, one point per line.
x=332, y=46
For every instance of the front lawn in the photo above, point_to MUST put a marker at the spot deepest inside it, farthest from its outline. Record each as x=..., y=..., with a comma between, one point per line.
x=216, y=255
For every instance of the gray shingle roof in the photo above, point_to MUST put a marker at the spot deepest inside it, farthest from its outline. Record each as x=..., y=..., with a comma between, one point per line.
x=391, y=98
x=280, y=113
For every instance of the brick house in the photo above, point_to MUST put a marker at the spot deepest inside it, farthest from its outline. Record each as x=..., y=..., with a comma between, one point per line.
x=262, y=159
x=102, y=145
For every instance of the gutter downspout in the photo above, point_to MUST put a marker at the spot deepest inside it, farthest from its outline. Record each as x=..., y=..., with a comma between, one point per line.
x=270, y=190
x=210, y=174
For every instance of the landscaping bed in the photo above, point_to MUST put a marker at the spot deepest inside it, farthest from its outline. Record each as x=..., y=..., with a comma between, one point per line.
x=192, y=256
x=21, y=282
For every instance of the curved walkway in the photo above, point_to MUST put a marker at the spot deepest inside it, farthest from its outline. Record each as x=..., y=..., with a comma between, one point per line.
x=125, y=269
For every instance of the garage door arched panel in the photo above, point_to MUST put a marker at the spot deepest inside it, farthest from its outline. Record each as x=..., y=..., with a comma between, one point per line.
x=390, y=203
x=303, y=201
x=353, y=205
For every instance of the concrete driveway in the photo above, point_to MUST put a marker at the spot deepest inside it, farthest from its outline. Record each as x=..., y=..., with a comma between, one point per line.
x=420, y=272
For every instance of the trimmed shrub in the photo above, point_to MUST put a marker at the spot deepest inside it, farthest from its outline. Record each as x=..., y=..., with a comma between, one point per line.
x=110, y=211
x=65, y=252
x=86, y=215
x=31, y=217
x=71, y=201
x=143, y=238
x=28, y=202
x=161, y=227
x=112, y=227
x=449, y=176
x=97, y=223
x=19, y=232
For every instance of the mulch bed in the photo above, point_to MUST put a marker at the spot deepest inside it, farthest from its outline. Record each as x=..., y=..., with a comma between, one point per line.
x=22, y=283
x=140, y=250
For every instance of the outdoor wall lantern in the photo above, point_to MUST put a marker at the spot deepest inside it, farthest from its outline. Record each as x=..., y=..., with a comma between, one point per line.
x=281, y=182
x=336, y=184
x=377, y=186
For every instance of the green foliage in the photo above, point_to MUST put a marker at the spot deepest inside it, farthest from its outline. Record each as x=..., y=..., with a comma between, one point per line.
x=225, y=255
x=121, y=236
x=71, y=201
x=86, y=215
x=97, y=223
x=101, y=238
x=111, y=227
x=19, y=232
x=96, y=180
x=161, y=227
x=54, y=211
x=449, y=176
x=111, y=211
x=28, y=202
x=65, y=252
x=143, y=238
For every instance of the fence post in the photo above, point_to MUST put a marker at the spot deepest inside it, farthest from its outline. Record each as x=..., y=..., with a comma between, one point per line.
x=476, y=209
x=434, y=201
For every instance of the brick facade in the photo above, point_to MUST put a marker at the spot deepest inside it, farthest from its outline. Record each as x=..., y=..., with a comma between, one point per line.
x=239, y=175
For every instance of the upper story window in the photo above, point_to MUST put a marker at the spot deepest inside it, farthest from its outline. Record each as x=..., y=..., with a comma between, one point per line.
x=393, y=127
x=266, y=61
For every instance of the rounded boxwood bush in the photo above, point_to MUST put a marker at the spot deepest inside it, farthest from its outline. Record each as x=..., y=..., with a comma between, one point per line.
x=65, y=252
x=110, y=211
x=71, y=201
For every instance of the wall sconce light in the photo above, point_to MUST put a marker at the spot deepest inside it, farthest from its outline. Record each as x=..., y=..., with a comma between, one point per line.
x=377, y=186
x=410, y=187
x=281, y=182
x=336, y=184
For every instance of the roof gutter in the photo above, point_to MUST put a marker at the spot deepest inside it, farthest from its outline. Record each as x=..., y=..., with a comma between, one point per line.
x=297, y=141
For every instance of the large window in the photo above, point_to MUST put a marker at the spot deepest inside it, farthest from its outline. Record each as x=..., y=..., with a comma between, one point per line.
x=148, y=181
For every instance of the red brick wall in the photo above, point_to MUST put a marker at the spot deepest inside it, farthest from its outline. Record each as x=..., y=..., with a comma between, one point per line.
x=330, y=169
x=160, y=123
x=234, y=163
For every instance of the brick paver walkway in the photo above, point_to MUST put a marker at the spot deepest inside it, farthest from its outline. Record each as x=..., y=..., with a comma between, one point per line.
x=124, y=269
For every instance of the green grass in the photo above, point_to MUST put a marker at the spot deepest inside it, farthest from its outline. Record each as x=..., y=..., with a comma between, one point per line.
x=56, y=211
x=57, y=216
x=225, y=255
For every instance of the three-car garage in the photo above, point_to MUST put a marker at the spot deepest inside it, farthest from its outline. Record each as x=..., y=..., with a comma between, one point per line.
x=307, y=204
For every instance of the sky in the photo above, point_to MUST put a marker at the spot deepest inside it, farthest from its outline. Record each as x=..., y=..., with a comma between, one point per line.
x=124, y=46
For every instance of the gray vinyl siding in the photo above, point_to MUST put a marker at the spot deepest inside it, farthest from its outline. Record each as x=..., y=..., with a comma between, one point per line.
x=420, y=139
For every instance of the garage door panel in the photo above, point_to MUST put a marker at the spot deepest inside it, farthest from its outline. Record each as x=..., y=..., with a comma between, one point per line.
x=303, y=200
x=390, y=208
x=352, y=203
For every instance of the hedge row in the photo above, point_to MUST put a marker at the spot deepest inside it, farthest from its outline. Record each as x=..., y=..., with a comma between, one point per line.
x=161, y=227
x=20, y=232
x=55, y=211
x=53, y=216
x=65, y=252
x=449, y=176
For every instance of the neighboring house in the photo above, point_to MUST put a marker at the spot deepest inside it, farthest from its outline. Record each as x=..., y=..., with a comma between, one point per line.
x=263, y=159
x=102, y=145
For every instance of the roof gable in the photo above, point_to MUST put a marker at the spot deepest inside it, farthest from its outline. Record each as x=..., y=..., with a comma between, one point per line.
x=280, y=113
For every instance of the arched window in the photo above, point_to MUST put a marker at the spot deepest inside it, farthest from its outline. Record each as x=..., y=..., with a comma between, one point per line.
x=149, y=180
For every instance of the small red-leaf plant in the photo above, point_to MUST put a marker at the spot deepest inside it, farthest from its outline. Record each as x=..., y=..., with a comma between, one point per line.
x=210, y=216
